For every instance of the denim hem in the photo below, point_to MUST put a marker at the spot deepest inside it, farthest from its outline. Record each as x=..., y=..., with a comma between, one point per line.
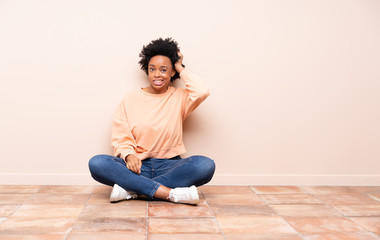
x=151, y=194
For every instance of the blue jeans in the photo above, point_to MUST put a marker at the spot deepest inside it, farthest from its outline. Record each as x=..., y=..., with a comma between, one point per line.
x=172, y=173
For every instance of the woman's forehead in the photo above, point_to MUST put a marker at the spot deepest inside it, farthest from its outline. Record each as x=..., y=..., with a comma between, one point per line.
x=160, y=60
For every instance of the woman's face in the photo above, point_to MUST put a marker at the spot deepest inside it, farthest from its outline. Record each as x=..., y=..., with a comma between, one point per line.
x=160, y=71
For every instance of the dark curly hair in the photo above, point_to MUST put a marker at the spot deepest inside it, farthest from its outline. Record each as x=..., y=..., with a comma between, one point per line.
x=165, y=47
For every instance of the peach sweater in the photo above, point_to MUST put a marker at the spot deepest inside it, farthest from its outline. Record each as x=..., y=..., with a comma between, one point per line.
x=150, y=125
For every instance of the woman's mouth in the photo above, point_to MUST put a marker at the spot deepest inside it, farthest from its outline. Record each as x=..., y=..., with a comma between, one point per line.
x=158, y=82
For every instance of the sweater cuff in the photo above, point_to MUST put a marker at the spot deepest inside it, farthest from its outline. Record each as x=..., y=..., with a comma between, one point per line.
x=184, y=72
x=125, y=154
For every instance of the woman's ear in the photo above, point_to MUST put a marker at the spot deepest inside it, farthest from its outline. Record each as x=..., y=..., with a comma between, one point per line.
x=173, y=72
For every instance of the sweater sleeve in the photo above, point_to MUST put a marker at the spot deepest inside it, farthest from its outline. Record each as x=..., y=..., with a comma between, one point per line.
x=122, y=140
x=196, y=92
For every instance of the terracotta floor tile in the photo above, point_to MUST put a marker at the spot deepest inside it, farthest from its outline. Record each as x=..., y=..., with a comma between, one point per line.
x=233, y=199
x=183, y=225
x=254, y=225
x=277, y=190
x=340, y=236
x=48, y=211
x=306, y=211
x=367, y=189
x=359, y=210
x=263, y=237
x=120, y=210
x=32, y=236
x=179, y=211
x=7, y=210
x=202, y=198
x=102, y=189
x=187, y=236
x=241, y=212
x=244, y=210
x=107, y=236
x=14, y=198
x=328, y=189
x=36, y=225
x=226, y=189
x=289, y=199
x=375, y=196
x=19, y=188
x=369, y=223
x=87, y=189
x=324, y=225
x=56, y=198
x=346, y=199
x=127, y=225
x=97, y=198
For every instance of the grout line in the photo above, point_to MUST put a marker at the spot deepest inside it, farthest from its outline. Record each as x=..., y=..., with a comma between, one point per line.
x=32, y=195
x=325, y=203
x=374, y=234
x=265, y=201
x=77, y=218
x=89, y=197
x=18, y=207
x=330, y=206
x=373, y=197
x=41, y=188
x=298, y=233
x=68, y=233
x=252, y=189
x=213, y=216
x=358, y=225
x=267, y=204
x=2, y=219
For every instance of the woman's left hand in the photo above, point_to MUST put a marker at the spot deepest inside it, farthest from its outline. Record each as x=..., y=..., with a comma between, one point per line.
x=178, y=65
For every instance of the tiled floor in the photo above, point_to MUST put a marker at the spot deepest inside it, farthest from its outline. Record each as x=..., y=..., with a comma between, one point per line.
x=225, y=212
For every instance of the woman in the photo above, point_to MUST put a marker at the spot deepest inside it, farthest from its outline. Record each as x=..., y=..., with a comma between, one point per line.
x=147, y=134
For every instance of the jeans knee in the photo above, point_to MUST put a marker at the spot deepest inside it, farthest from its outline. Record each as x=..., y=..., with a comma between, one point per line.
x=204, y=169
x=96, y=163
x=211, y=166
x=206, y=165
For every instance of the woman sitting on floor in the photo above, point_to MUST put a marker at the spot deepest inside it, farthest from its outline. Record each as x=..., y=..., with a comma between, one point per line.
x=147, y=134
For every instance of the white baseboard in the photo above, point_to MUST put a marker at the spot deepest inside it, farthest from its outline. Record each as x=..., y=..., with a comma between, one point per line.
x=333, y=180
x=219, y=179
x=46, y=179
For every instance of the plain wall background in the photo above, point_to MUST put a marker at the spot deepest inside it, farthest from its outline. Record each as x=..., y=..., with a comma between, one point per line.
x=295, y=85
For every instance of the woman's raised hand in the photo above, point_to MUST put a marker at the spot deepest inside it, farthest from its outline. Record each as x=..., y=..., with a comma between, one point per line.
x=133, y=163
x=178, y=65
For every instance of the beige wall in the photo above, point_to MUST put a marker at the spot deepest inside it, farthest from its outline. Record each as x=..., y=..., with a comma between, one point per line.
x=295, y=85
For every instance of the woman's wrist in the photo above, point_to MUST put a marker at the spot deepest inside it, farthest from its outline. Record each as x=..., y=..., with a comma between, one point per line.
x=178, y=65
x=128, y=156
x=179, y=68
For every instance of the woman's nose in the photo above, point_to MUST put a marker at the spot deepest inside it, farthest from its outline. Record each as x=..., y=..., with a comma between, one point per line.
x=157, y=72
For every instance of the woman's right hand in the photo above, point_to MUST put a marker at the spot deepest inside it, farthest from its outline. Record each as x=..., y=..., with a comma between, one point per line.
x=178, y=65
x=133, y=163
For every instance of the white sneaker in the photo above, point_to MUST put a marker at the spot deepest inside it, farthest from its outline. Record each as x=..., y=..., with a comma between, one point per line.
x=187, y=195
x=119, y=194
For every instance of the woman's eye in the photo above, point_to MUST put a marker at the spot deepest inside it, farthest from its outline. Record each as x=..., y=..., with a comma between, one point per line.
x=151, y=69
x=163, y=70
